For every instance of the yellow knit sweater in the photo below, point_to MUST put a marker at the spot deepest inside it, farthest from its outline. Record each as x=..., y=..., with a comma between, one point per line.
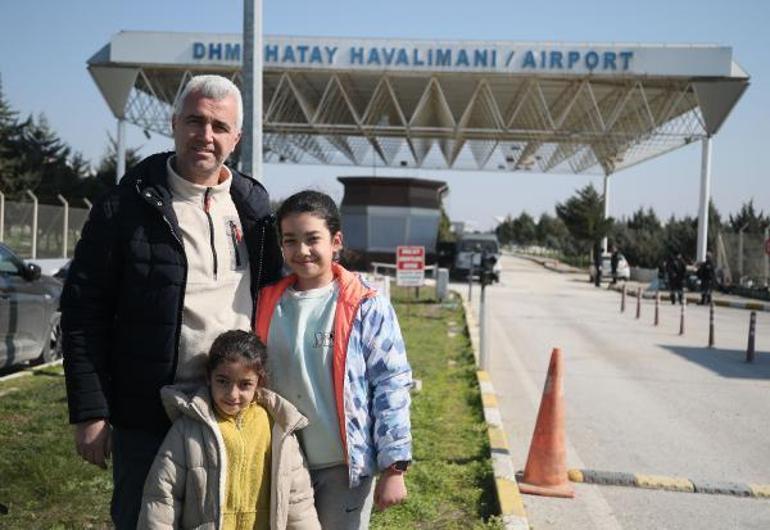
x=247, y=494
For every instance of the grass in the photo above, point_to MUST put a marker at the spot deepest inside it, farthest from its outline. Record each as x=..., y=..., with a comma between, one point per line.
x=44, y=485
x=450, y=483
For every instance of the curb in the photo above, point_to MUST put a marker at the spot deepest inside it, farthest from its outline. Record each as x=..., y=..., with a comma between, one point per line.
x=659, y=482
x=550, y=264
x=752, y=306
x=31, y=370
x=507, y=489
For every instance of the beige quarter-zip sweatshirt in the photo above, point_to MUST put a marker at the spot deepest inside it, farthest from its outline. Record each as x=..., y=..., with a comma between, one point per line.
x=217, y=296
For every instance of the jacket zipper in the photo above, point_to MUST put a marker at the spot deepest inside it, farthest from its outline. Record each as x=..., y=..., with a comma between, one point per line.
x=235, y=235
x=207, y=208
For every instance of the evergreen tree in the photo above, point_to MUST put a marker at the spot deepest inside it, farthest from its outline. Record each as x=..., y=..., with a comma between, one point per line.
x=444, y=226
x=504, y=231
x=11, y=132
x=106, y=171
x=583, y=214
x=551, y=232
x=524, y=229
x=748, y=219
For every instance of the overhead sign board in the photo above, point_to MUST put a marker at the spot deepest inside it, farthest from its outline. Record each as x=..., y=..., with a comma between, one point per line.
x=410, y=266
x=419, y=55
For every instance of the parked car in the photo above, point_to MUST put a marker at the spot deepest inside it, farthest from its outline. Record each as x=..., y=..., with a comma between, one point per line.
x=473, y=245
x=29, y=312
x=624, y=270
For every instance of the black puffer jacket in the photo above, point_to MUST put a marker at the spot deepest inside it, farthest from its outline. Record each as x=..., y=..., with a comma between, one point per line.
x=123, y=298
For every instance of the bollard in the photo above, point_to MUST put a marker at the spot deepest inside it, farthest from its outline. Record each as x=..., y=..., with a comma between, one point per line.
x=657, y=307
x=681, y=317
x=752, y=328
x=711, y=325
x=623, y=299
x=638, y=302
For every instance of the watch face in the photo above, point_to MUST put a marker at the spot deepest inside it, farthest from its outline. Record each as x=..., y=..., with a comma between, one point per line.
x=401, y=465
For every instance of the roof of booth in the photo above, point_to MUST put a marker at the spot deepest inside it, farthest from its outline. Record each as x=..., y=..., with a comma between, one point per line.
x=482, y=105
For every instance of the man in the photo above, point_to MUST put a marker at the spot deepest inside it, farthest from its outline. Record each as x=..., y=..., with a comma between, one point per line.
x=707, y=277
x=170, y=258
x=676, y=270
x=614, y=261
x=598, y=264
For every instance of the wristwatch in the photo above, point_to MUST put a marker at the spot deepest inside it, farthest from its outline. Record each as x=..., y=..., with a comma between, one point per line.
x=399, y=466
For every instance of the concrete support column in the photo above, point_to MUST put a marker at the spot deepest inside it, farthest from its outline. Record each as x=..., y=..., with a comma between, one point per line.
x=606, y=207
x=120, y=168
x=251, y=140
x=705, y=195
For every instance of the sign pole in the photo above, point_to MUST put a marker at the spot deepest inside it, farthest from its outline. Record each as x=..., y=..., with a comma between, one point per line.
x=767, y=255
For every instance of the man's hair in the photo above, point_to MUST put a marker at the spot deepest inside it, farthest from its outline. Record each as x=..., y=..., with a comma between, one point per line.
x=315, y=203
x=237, y=346
x=215, y=87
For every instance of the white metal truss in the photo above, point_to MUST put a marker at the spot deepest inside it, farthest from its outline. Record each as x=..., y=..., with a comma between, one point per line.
x=474, y=121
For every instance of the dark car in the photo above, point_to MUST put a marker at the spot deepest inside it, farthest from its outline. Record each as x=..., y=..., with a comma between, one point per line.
x=29, y=312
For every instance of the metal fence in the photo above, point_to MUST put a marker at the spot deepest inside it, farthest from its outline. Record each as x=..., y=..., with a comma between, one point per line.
x=40, y=231
x=742, y=258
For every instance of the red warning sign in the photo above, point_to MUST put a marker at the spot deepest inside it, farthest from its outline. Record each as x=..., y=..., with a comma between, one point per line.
x=410, y=266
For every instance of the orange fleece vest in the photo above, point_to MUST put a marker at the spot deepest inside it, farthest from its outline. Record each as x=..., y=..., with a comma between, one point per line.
x=351, y=293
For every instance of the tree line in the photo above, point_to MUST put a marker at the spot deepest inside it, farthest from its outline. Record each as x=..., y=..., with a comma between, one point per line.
x=579, y=224
x=33, y=157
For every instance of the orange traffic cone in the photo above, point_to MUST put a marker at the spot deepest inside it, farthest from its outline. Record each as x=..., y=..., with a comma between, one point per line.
x=546, y=471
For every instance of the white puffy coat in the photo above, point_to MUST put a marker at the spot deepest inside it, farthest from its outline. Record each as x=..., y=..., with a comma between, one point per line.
x=186, y=484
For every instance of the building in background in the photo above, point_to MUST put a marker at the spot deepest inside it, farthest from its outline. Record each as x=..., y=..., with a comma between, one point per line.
x=380, y=213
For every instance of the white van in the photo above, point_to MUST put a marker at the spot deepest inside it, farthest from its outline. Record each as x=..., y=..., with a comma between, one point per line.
x=473, y=245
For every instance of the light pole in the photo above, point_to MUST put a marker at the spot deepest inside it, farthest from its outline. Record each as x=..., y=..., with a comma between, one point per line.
x=251, y=141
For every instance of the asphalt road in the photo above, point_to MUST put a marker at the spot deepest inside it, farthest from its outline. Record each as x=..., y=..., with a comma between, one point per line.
x=639, y=399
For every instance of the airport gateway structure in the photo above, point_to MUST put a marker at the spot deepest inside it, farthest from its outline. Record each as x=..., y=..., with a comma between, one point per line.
x=480, y=105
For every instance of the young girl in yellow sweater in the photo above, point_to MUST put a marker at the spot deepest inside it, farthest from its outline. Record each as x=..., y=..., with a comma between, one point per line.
x=231, y=458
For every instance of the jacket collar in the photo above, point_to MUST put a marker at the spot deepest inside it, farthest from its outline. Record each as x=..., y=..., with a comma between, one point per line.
x=195, y=401
x=150, y=175
x=348, y=281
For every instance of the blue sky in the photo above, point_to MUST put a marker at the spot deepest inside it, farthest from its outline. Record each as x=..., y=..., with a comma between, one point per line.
x=44, y=45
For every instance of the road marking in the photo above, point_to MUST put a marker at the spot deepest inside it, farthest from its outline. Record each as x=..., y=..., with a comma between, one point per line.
x=664, y=483
x=660, y=482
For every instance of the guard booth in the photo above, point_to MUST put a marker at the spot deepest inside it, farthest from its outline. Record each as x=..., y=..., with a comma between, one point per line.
x=381, y=213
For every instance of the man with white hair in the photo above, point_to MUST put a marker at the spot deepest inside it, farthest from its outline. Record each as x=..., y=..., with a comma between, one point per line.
x=170, y=258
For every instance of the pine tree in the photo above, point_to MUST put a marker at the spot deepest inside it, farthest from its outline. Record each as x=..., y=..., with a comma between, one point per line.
x=583, y=214
x=10, y=141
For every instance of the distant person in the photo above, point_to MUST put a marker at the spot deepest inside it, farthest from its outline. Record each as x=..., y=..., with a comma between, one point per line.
x=707, y=277
x=335, y=347
x=676, y=269
x=232, y=452
x=598, y=265
x=614, y=261
x=169, y=259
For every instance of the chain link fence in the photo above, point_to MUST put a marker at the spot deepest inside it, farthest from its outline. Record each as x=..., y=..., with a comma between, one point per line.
x=742, y=258
x=58, y=229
